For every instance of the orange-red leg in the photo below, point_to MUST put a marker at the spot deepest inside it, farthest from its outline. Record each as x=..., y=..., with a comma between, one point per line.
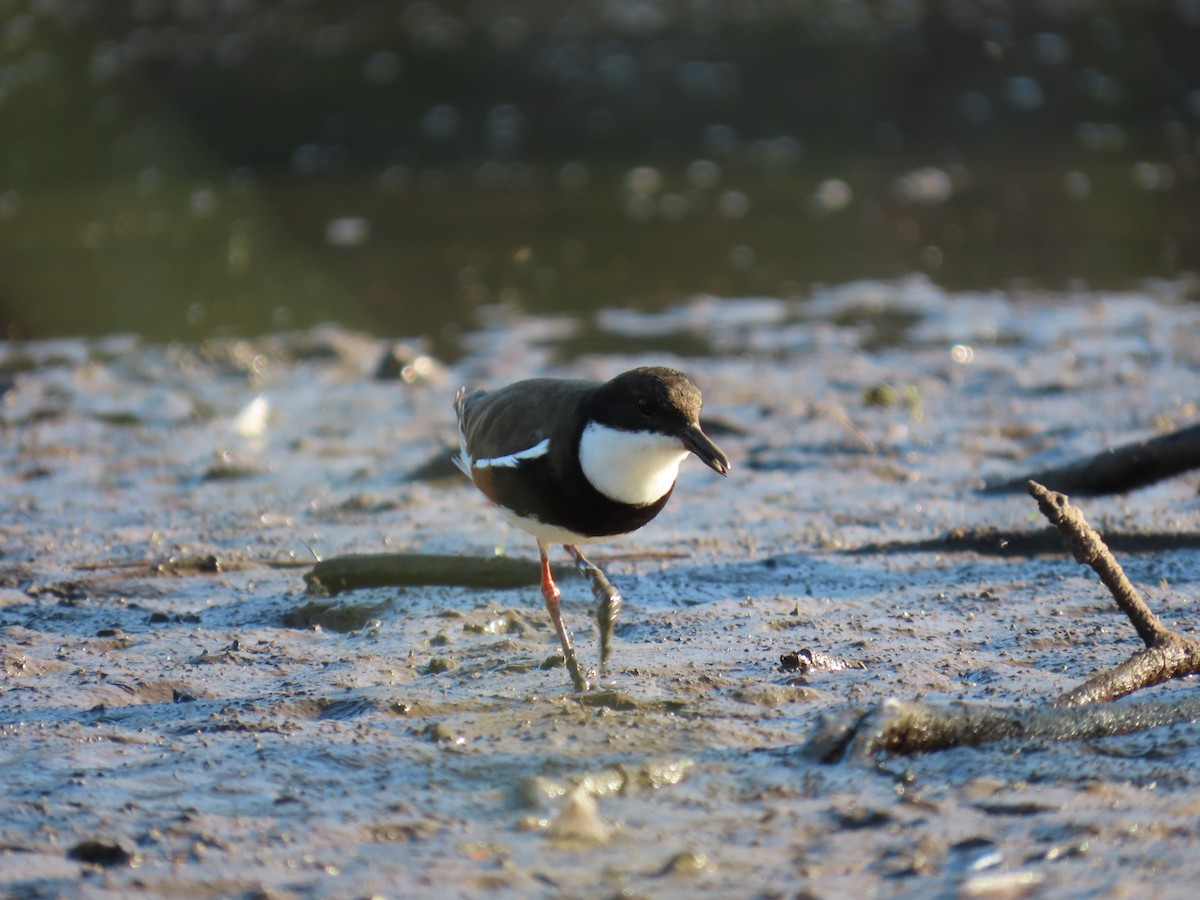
x=551, y=595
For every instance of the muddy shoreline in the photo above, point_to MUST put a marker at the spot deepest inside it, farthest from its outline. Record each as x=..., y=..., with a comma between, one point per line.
x=165, y=732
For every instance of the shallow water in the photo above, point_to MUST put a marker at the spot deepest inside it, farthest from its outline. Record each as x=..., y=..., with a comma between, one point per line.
x=165, y=711
x=178, y=170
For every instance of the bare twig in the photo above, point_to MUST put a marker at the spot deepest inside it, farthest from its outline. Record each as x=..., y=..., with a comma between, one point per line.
x=839, y=415
x=1088, y=548
x=1083, y=713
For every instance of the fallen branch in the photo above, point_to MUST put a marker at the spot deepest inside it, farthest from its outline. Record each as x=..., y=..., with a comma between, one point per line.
x=368, y=570
x=1118, y=470
x=896, y=726
x=901, y=727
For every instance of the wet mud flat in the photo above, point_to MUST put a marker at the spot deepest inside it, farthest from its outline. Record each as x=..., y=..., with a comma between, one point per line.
x=179, y=716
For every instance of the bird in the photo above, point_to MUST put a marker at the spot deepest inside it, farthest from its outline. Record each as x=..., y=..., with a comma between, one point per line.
x=572, y=461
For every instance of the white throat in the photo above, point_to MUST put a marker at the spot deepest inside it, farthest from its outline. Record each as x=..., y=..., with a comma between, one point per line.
x=636, y=467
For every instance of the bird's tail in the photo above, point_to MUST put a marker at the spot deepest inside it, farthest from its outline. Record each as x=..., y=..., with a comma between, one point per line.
x=461, y=399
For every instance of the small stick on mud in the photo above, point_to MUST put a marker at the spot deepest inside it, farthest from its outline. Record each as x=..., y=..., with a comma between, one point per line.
x=896, y=726
x=366, y=570
x=989, y=541
x=839, y=415
x=174, y=565
x=1118, y=470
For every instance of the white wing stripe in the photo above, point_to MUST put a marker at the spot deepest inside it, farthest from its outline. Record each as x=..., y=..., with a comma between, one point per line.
x=512, y=460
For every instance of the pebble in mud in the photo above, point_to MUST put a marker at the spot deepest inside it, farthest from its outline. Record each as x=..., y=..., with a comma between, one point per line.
x=103, y=853
x=336, y=614
x=578, y=820
x=441, y=733
x=806, y=660
x=535, y=791
x=686, y=863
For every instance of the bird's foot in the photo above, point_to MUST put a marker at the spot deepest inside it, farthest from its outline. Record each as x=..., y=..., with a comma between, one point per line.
x=578, y=677
x=608, y=601
x=608, y=608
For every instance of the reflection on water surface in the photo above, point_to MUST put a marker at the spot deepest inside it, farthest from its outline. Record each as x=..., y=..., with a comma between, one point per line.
x=178, y=170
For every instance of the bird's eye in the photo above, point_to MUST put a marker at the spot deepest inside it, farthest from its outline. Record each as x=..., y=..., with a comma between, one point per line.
x=645, y=406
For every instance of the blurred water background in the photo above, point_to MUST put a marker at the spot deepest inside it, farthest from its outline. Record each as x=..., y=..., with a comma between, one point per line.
x=179, y=169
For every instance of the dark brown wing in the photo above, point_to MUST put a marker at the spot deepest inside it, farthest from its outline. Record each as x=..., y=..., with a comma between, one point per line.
x=517, y=417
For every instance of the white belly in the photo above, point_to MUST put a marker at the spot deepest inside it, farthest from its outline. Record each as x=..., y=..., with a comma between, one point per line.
x=550, y=534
